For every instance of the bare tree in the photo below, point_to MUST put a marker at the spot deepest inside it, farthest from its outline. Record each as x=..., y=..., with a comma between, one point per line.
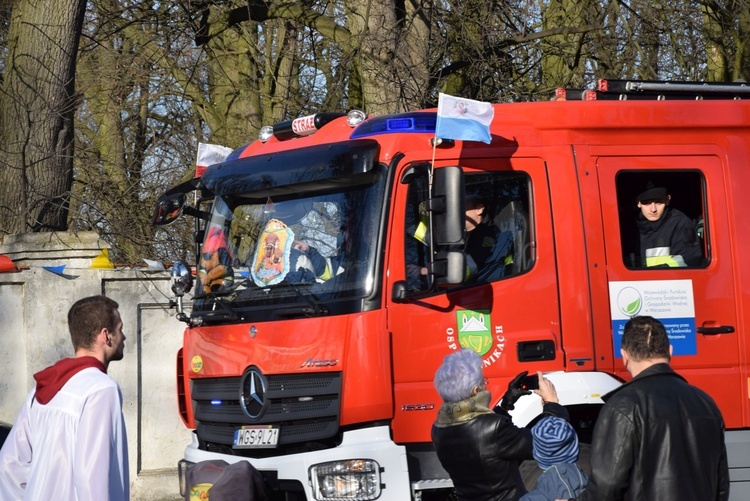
x=135, y=132
x=156, y=78
x=726, y=27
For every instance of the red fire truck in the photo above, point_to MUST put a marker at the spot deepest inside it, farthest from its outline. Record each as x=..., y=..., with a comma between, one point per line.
x=335, y=272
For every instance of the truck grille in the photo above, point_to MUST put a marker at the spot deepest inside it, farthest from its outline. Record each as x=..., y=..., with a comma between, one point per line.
x=305, y=406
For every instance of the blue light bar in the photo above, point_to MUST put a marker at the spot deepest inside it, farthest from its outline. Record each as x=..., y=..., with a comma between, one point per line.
x=215, y=402
x=415, y=122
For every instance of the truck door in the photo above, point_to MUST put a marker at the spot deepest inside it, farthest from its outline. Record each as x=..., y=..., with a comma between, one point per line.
x=508, y=311
x=697, y=301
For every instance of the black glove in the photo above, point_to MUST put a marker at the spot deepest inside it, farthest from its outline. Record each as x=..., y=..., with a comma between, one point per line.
x=514, y=392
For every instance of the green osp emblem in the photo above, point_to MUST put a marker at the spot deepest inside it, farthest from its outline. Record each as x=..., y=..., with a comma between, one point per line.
x=474, y=330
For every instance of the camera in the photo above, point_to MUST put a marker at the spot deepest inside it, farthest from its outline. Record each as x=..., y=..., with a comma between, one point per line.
x=530, y=382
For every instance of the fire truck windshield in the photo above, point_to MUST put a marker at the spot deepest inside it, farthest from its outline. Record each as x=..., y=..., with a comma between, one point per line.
x=313, y=253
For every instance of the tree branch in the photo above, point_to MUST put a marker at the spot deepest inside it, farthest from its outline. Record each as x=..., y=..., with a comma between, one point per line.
x=499, y=48
x=260, y=11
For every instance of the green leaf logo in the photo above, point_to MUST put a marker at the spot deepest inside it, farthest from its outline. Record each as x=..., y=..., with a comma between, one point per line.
x=629, y=301
x=633, y=307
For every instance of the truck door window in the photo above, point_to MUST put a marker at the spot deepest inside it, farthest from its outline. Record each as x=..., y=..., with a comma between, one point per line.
x=663, y=219
x=497, y=228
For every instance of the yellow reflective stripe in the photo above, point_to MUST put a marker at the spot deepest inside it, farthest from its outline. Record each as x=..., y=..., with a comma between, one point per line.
x=659, y=260
x=421, y=232
x=328, y=274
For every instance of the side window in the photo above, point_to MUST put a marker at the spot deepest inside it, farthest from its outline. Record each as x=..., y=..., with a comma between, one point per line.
x=663, y=218
x=417, y=235
x=498, y=234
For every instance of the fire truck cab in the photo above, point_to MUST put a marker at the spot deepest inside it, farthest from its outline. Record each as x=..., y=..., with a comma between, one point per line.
x=335, y=272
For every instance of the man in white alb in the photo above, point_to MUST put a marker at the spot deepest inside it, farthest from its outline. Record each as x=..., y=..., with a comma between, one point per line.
x=68, y=442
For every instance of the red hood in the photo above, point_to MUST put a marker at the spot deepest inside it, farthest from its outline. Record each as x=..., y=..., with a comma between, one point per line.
x=50, y=380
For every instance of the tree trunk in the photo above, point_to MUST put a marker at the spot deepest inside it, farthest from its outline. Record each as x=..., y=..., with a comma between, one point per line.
x=715, y=22
x=562, y=64
x=742, y=71
x=36, y=115
x=373, y=29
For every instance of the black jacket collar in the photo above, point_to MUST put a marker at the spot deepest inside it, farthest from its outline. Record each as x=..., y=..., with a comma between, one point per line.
x=660, y=369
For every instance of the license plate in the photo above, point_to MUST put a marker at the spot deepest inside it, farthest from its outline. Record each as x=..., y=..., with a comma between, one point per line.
x=256, y=437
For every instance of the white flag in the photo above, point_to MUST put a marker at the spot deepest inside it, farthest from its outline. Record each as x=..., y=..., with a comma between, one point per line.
x=209, y=154
x=464, y=119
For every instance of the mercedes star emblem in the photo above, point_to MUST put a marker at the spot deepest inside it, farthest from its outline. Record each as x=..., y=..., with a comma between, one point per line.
x=253, y=393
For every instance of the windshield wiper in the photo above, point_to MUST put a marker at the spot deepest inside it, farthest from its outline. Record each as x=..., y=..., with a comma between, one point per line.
x=217, y=300
x=313, y=310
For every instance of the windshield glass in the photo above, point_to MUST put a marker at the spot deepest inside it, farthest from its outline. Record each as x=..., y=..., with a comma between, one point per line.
x=311, y=251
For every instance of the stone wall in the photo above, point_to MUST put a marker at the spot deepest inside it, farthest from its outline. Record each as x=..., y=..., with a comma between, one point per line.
x=33, y=335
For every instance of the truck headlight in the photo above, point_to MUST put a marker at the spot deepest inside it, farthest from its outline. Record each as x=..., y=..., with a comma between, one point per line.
x=353, y=479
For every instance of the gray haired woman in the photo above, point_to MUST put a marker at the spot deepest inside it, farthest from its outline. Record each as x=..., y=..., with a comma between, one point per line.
x=478, y=447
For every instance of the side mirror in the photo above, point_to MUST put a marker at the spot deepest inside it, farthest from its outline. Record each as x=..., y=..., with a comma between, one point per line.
x=399, y=291
x=448, y=206
x=168, y=209
x=449, y=268
x=182, y=279
x=182, y=282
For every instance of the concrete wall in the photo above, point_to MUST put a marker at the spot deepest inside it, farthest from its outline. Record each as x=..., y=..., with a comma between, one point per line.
x=33, y=335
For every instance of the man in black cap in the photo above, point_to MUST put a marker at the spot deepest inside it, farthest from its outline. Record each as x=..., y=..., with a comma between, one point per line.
x=665, y=233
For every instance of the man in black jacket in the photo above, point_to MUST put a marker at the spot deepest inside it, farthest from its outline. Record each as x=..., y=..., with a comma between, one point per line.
x=665, y=232
x=657, y=437
x=480, y=449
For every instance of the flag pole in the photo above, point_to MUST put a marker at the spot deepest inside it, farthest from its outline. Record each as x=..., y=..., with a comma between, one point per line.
x=430, y=239
x=435, y=141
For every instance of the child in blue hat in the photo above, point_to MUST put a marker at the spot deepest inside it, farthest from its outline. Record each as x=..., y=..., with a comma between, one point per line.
x=555, y=449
